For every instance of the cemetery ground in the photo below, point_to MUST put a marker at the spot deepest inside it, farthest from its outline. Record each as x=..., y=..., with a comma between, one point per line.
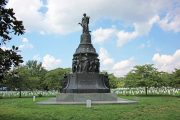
x=147, y=108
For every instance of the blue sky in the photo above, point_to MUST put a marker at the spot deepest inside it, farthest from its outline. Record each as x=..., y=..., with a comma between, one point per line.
x=125, y=33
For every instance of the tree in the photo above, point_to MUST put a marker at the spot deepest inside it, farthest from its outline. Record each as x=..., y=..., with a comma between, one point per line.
x=26, y=77
x=176, y=78
x=8, y=25
x=18, y=79
x=54, y=77
x=166, y=79
x=120, y=82
x=37, y=74
x=112, y=81
x=143, y=76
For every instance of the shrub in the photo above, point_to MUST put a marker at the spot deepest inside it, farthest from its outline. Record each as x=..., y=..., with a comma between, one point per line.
x=40, y=95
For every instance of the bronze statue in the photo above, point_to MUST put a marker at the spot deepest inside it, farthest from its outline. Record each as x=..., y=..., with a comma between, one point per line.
x=84, y=23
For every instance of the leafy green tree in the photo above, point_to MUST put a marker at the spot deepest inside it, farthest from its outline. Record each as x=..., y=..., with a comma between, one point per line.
x=8, y=25
x=176, y=78
x=35, y=67
x=143, y=76
x=28, y=77
x=54, y=77
x=18, y=79
x=113, y=81
x=120, y=82
x=37, y=74
x=166, y=79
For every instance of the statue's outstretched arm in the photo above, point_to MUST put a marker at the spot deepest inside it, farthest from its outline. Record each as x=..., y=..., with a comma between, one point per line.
x=80, y=24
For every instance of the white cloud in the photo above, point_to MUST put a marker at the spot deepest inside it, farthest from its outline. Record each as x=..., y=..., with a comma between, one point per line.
x=120, y=68
x=140, y=29
x=50, y=62
x=28, y=12
x=101, y=35
x=26, y=44
x=62, y=16
x=104, y=57
x=167, y=63
x=123, y=67
x=124, y=37
x=171, y=22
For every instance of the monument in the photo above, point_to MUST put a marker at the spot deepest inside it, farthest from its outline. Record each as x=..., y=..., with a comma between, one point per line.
x=85, y=76
x=85, y=83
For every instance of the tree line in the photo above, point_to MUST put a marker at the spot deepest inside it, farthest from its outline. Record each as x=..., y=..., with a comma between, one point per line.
x=32, y=76
x=147, y=76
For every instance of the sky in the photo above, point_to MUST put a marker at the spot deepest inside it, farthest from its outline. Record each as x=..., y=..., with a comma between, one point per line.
x=125, y=33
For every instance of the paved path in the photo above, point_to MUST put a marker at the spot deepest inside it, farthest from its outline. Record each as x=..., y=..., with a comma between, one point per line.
x=52, y=101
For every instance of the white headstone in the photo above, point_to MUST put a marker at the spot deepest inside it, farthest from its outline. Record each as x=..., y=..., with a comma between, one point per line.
x=34, y=98
x=88, y=103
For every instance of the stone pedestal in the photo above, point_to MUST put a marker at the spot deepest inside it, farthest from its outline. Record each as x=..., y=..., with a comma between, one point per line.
x=86, y=83
x=82, y=97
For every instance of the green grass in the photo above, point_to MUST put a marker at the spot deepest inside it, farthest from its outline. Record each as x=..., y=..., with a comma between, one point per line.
x=148, y=108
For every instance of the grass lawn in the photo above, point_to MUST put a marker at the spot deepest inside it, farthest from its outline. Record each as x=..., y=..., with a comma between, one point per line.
x=148, y=108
